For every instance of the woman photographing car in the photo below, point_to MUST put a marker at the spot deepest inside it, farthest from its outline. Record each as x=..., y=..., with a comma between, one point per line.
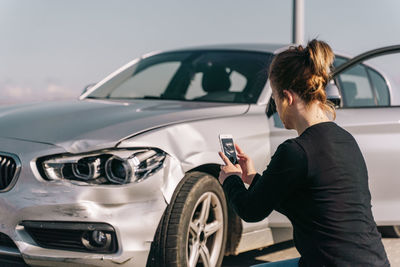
x=319, y=179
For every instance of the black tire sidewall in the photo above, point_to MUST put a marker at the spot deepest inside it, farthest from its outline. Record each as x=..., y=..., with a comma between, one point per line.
x=203, y=183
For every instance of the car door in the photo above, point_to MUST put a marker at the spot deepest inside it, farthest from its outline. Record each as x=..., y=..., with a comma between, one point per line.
x=370, y=111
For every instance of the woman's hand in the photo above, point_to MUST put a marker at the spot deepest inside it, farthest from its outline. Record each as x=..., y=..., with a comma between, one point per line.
x=246, y=165
x=228, y=169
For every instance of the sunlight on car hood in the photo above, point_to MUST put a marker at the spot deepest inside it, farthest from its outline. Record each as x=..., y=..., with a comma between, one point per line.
x=80, y=126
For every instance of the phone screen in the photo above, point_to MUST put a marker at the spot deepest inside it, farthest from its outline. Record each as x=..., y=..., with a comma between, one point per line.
x=228, y=148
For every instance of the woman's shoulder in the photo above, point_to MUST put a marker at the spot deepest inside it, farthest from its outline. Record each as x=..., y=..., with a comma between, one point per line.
x=326, y=135
x=328, y=129
x=289, y=153
x=291, y=147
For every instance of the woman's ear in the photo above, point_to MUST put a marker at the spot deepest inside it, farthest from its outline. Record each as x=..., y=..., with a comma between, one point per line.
x=289, y=96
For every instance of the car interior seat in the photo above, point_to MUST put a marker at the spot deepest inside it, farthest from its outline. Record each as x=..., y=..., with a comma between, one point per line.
x=216, y=83
x=350, y=92
x=352, y=96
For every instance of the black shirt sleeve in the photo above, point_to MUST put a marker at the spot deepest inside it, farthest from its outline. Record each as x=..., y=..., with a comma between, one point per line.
x=287, y=169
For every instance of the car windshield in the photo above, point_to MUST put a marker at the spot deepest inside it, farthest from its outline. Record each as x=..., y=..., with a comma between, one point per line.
x=213, y=76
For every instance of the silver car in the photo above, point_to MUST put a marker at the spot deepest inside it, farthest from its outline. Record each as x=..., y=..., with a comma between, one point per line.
x=126, y=175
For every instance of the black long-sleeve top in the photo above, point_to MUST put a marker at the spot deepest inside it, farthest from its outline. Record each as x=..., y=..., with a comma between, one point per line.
x=319, y=180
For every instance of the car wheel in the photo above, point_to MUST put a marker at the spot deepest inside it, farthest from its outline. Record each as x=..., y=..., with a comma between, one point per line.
x=193, y=229
x=390, y=231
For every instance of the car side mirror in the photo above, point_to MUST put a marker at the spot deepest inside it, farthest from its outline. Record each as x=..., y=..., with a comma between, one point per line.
x=87, y=87
x=271, y=108
x=333, y=93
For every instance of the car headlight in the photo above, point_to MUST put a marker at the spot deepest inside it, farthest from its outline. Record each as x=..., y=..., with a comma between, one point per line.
x=115, y=167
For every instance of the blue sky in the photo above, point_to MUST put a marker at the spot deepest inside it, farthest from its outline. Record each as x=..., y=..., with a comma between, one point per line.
x=51, y=49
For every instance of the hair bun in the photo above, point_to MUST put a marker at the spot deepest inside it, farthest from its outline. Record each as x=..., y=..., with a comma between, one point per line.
x=321, y=57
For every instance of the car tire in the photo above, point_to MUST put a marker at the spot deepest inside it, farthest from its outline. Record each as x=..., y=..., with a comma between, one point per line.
x=193, y=229
x=392, y=231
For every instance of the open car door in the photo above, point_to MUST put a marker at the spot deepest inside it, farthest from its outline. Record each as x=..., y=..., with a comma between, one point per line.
x=368, y=106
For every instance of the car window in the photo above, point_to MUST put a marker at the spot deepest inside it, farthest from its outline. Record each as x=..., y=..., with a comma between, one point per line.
x=149, y=82
x=361, y=86
x=238, y=80
x=356, y=88
x=339, y=61
x=211, y=76
x=380, y=87
x=198, y=90
x=195, y=88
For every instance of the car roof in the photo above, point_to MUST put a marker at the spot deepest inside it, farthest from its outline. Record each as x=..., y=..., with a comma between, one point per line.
x=252, y=47
x=273, y=48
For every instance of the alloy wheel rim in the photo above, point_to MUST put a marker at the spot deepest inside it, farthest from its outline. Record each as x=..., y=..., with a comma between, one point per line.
x=205, y=234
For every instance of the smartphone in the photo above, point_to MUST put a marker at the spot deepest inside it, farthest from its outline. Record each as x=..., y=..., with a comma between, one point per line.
x=228, y=147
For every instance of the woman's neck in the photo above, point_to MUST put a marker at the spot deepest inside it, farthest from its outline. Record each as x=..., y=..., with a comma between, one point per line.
x=309, y=116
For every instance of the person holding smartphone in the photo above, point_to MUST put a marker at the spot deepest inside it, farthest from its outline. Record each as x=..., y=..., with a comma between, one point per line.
x=319, y=179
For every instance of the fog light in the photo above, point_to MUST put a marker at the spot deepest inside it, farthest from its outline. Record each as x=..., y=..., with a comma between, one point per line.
x=72, y=236
x=99, y=237
x=96, y=240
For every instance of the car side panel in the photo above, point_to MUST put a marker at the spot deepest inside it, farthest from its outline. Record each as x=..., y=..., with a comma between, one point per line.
x=377, y=131
x=196, y=143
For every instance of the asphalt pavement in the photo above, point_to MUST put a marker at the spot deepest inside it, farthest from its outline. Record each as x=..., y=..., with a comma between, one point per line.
x=272, y=253
x=287, y=250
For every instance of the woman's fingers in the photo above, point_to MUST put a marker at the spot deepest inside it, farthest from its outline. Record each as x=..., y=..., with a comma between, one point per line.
x=238, y=167
x=238, y=149
x=240, y=153
x=225, y=159
x=242, y=156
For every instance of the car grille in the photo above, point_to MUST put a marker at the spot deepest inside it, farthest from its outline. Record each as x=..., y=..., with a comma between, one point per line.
x=5, y=241
x=55, y=238
x=67, y=236
x=9, y=166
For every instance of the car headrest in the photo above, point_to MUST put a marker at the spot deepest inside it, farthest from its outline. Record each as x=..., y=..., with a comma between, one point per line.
x=350, y=88
x=216, y=79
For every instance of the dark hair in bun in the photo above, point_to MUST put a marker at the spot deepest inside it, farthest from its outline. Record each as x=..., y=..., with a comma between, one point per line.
x=304, y=70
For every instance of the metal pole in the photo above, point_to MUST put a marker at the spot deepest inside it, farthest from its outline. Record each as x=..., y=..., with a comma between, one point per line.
x=298, y=22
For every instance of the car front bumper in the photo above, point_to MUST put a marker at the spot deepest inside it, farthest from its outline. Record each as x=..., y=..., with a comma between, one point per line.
x=133, y=210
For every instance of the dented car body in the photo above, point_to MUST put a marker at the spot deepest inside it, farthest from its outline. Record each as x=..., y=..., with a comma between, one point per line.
x=126, y=175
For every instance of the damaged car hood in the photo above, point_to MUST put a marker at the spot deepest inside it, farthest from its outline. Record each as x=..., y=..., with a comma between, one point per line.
x=80, y=126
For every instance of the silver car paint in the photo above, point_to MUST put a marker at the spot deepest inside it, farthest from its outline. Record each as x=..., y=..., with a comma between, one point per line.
x=80, y=126
x=134, y=210
x=196, y=143
x=146, y=200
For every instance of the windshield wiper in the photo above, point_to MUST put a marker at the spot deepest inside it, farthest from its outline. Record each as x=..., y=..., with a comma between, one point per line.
x=151, y=97
x=142, y=97
x=148, y=97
